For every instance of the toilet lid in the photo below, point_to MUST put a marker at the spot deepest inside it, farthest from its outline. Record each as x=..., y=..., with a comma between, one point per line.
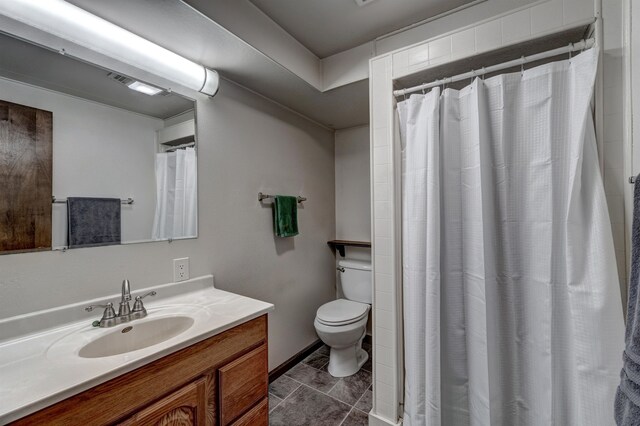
x=341, y=312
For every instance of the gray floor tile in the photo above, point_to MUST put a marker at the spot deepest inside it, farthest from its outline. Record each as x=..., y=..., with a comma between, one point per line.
x=324, y=350
x=283, y=386
x=350, y=389
x=273, y=401
x=366, y=401
x=306, y=406
x=317, y=360
x=356, y=418
x=317, y=379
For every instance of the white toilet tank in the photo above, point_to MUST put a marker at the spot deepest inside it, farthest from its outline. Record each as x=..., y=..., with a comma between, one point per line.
x=355, y=277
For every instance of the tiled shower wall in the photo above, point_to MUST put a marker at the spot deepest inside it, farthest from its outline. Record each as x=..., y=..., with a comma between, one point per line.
x=613, y=134
x=538, y=19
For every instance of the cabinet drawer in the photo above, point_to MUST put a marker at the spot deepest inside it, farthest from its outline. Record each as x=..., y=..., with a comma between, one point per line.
x=243, y=383
x=257, y=416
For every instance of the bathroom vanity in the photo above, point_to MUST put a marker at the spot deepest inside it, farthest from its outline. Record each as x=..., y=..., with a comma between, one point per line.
x=214, y=372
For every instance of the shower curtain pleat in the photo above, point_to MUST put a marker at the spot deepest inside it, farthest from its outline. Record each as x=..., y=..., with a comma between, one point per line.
x=512, y=309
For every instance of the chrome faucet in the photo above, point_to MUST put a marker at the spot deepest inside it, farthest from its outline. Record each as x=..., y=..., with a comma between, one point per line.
x=125, y=313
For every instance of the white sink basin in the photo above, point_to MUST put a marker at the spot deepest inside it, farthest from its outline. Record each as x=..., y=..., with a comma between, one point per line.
x=136, y=335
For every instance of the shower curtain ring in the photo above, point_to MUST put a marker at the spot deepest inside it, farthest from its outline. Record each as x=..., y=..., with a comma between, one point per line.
x=522, y=65
x=482, y=74
x=473, y=74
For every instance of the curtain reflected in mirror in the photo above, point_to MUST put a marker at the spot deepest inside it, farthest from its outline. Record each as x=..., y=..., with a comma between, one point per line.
x=176, y=213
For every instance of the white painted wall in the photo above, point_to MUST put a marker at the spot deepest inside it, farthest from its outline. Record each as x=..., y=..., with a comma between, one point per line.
x=246, y=145
x=98, y=151
x=353, y=204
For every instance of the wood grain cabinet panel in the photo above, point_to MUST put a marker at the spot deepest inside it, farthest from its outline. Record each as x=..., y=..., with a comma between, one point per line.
x=181, y=389
x=257, y=416
x=243, y=383
x=185, y=407
x=26, y=147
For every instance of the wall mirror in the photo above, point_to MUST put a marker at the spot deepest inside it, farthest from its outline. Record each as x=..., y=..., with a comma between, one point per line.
x=90, y=157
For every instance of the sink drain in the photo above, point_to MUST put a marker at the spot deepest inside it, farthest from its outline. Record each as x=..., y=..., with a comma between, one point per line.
x=127, y=329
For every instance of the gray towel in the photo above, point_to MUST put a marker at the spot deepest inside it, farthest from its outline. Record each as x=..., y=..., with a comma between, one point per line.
x=93, y=221
x=627, y=403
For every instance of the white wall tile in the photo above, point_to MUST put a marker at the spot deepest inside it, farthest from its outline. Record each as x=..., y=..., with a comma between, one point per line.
x=488, y=36
x=380, y=136
x=516, y=26
x=400, y=63
x=383, y=316
x=382, y=355
x=463, y=43
x=384, y=300
x=381, y=193
x=384, y=335
x=384, y=374
x=383, y=246
x=381, y=156
x=384, y=282
x=418, y=54
x=383, y=228
x=383, y=408
x=382, y=211
x=440, y=50
x=546, y=16
x=383, y=264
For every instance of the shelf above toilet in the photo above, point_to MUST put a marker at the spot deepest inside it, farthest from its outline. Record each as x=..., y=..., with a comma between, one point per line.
x=340, y=245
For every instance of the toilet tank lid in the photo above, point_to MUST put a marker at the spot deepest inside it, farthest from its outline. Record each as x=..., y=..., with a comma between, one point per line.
x=355, y=264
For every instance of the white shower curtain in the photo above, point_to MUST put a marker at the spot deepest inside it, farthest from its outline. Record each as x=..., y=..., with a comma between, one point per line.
x=176, y=195
x=512, y=310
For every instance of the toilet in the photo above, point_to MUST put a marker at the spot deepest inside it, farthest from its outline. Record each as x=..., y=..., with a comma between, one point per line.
x=342, y=324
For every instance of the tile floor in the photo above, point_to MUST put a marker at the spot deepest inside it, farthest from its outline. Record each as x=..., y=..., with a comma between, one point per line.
x=308, y=395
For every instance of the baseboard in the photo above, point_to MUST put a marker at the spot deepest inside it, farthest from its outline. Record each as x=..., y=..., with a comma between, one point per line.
x=375, y=420
x=288, y=364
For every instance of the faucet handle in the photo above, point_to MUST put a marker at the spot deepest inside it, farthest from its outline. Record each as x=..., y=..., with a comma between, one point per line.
x=108, y=309
x=139, y=310
x=108, y=316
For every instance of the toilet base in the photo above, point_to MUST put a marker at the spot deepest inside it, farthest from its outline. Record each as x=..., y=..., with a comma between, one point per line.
x=346, y=362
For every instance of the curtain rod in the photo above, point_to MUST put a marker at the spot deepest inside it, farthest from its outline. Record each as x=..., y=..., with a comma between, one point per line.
x=581, y=45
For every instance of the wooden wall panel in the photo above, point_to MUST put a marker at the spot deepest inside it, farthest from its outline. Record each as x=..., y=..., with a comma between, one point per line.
x=26, y=147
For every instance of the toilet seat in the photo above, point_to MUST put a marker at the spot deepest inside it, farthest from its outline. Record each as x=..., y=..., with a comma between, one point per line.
x=341, y=312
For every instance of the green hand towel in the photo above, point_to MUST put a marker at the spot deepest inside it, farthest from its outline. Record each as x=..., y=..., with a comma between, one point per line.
x=285, y=215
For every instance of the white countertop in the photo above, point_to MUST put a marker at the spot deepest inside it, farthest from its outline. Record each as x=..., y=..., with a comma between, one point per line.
x=42, y=366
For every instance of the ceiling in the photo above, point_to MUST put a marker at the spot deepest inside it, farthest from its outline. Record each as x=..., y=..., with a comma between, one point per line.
x=181, y=29
x=67, y=75
x=327, y=27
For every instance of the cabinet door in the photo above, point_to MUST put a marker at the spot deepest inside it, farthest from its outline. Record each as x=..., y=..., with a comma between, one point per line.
x=185, y=407
x=243, y=383
x=257, y=416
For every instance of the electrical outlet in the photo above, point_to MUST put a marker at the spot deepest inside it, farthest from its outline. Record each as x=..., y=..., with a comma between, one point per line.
x=180, y=269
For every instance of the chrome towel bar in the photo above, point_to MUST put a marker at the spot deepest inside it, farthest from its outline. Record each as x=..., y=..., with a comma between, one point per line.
x=262, y=196
x=63, y=201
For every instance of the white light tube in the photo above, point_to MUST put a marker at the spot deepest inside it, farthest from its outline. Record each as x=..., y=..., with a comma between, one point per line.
x=76, y=25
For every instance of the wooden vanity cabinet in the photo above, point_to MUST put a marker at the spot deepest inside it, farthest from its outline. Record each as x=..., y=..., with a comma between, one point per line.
x=220, y=381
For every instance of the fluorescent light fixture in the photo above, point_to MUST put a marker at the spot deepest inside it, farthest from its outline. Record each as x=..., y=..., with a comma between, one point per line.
x=78, y=26
x=144, y=88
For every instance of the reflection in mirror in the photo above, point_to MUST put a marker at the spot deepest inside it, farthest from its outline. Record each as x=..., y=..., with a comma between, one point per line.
x=90, y=157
